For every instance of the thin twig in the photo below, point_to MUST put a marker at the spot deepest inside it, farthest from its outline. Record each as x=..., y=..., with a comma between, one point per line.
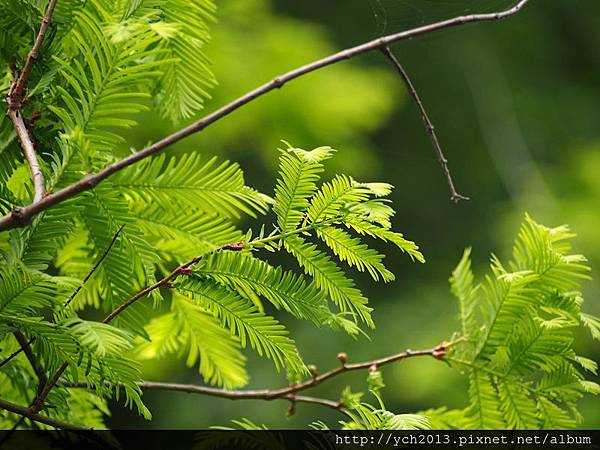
x=270, y=394
x=39, y=402
x=75, y=292
x=35, y=364
x=96, y=266
x=20, y=216
x=289, y=392
x=454, y=196
x=14, y=354
x=338, y=406
x=163, y=281
x=26, y=412
x=15, y=103
x=182, y=268
x=17, y=90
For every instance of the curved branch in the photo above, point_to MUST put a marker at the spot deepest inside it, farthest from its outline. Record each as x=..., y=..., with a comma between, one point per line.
x=289, y=393
x=438, y=352
x=20, y=216
x=15, y=103
x=16, y=117
x=454, y=195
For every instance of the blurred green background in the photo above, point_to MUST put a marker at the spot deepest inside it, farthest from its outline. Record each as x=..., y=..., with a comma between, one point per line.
x=516, y=108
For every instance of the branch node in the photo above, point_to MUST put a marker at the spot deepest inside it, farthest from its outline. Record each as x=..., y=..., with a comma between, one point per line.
x=235, y=247
x=342, y=357
x=441, y=350
x=89, y=181
x=186, y=271
x=19, y=218
x=278, y=82
x=314, y=372
x=292, y=409
x=456, y=197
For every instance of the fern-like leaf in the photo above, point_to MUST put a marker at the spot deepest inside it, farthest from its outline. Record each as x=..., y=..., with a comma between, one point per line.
x=264, y=334
x=190, y=181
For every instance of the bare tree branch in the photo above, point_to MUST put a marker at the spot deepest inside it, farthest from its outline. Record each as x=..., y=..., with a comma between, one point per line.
x=15, y=103
x=18, y=88
x=16, y=116
x=438, y=352
x=38, y=369
x=20, y=216
x=314, y=400
x=454, y=196
x=96, y=266
x=289, y=392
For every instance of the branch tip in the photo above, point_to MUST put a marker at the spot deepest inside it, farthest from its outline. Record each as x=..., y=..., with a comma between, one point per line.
x=454, y=196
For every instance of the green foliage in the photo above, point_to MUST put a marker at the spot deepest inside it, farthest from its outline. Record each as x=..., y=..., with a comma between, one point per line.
x=265, y=334
x=519, y=327
x=191, y=329
x=300, y=205
x=365, y=416
x=103, y=68
x=105, y=62
x=515, y=345
x=185, y=83
x=217, y=308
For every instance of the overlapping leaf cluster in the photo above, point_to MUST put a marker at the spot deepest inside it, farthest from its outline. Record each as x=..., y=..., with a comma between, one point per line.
x=103, y=62
x=230, y=288
x=516, y=345
x=520, y=325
